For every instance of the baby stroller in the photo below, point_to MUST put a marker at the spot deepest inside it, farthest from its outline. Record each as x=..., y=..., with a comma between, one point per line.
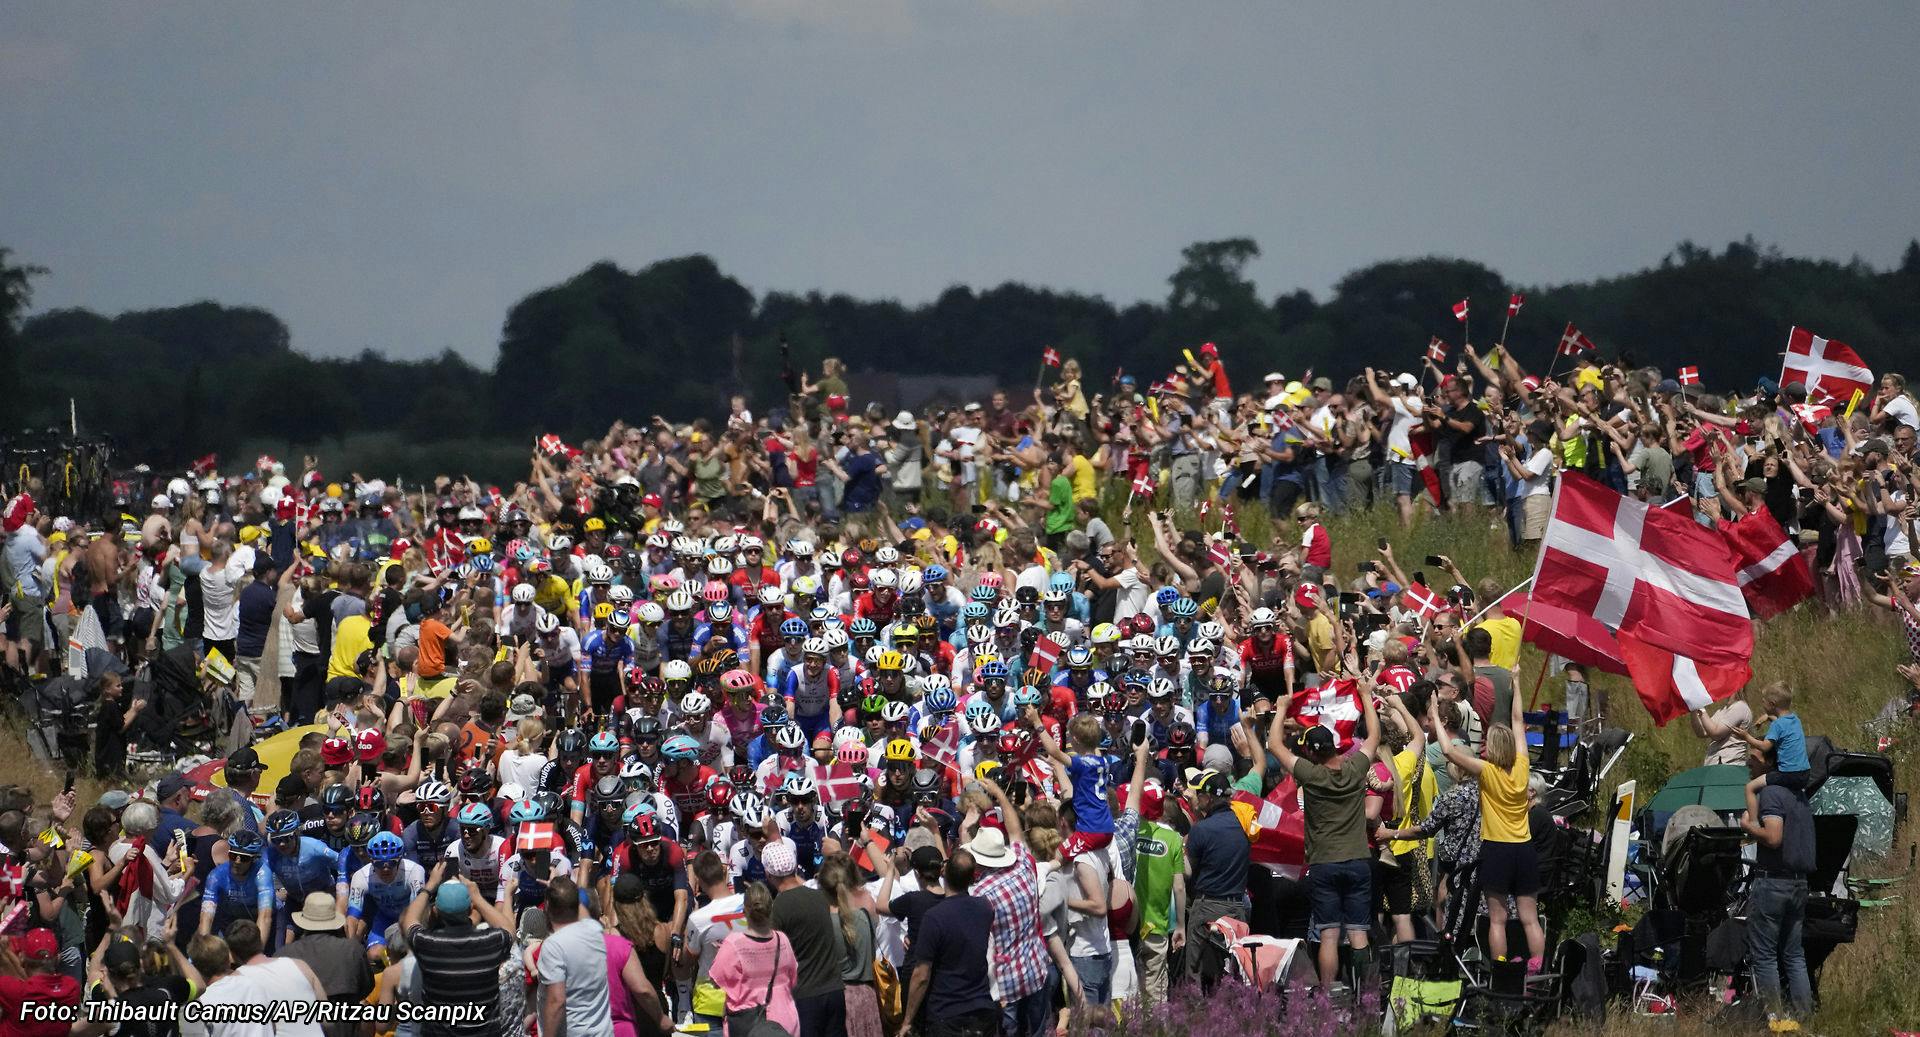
x=1265, y=963
x=59, y=716
x=179, y=719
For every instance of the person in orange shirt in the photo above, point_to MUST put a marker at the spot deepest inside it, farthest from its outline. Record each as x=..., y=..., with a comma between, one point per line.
x=439, y=643
x=480, y=738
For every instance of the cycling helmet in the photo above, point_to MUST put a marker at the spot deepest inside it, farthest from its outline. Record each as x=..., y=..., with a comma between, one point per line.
x=282, y=824
x=1184, y=608
x=799, y=786
x=1139, y=644
x=789, y=738
x=647, y=728
x=873, y=704
x=1212, y=631
x=370, y=799
x=618, y=619
x=1200, y=646
x=1161, y=688
x=695, y=703
x=680, y=747
x=676, y=670
x=522, y=594
x=620, y=595
x=609, y=789
x=603, y=742
x=986, y=770
x=1166, y=596
x=602, y=610
x=526, y=810
x=1112, y=700
x=362, y=827
x=938, y=700
x=1167, y=646
x=774, y=716
x=550, y=803
x=651, y=612
x=383, y=848
x=680, y=601
x=749, y=809
x=1180, y=736
x=909, y=582
x=981, y=719
x=737, y=680
x=1028, y=695
x=893, y=712
x=890, y=660
x=600, y=574
x=644, y=828
x=1134, y=679
x=633, y=771
x=900, y=750
x=474, y=815
x=926, y=783
x=247, y=844
x=884, y=579
x=848, y=697
x=1054, y=597
x=1106, y=634
x=864, y=627
x=336, y=798
x=572, y=742
x=771, y=594
x=983, y=593
x=438, y=793
x=559, y=542
x=815, y=646
x=793, y=627
x=836, y=639
x=822, y=614
x=719, y=566
x=546, y=622
x=806, y=587
x=975, y=610
x=1016, y=742
x=1080, y=657
x=934, y=574
x=979, y=635
x=1265, y=617
x=1007, y=617
x=993, y=671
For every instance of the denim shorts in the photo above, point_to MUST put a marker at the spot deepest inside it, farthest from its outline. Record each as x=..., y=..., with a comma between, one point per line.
x=1341, y=895
x=1402, y=478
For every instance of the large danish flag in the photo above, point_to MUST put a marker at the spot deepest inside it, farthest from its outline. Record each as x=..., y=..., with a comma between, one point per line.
x=1773, y=574
x=1830, y=370
x=1651, y=573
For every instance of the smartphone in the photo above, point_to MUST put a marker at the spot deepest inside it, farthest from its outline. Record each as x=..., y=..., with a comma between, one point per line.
x=71, y=775
x=1382, y=542
x=1436, y=560
x=1138, y=734
x=1369, y=567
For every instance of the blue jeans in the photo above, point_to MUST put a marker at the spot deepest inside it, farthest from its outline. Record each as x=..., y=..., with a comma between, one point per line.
x=1096, y=977
x=1776, y=909
x=1030, y=1016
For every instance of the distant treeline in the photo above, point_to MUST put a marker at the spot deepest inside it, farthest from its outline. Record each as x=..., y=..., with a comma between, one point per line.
x=674, y=338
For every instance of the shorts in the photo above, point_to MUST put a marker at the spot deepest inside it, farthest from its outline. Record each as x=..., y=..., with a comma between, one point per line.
x=1083, y=842
x=1402, y=475
x=1096, y=977
x=1467, y=484
x=1509, y=869
x=1534, y=512
x=1393, y=883
x=1341, y=895
x=1795, y=780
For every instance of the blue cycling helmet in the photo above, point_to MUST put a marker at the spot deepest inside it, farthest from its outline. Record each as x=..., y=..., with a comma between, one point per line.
x=1133, y=678
x=1060, y=582
x=1080, y=657
x=864, y=627
x=793, y=627
x=982, y=592
x=604, y=742
x=473, y=815
x=1185, y=608
x=975, y=610
x=772, y=717
x=939, y=700
x=526, y=810
x=1166, y=596
x=246, y=843
x=483, y=565
x=282, y=823
x=680, y=747
x=384, y=848
x=637, y=810
x=1027, y=695
x=993, y=671
x=934, y=574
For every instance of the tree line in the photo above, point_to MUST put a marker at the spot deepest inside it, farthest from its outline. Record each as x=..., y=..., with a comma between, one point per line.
x=676, y=337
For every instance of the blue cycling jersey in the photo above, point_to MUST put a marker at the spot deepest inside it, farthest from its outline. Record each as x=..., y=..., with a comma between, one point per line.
x=235, y=897
x=311, y=868
x=606, y=650
x=381, y=900
x=428, y=847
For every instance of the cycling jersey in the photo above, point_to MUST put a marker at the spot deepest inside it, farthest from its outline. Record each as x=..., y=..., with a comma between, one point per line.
x=661, y=879
x=807, y=839
x=607, y=650
x=484, y=867
x=428, y=847
x=311, y=868
x=711, y=637
x=744, y=862
x=380, y=902
x=237, y=898
x=809, y=696
x=529, y=889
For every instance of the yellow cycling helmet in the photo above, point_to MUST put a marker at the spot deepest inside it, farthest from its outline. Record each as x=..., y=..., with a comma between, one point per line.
x=985, y=770
x=603, y=610
x=1106, y=634
x=900, y=750
x=596, y=523
x=890, y=660
x=479, y=546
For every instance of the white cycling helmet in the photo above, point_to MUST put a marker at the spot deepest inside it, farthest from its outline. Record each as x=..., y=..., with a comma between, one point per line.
x=884, y=579
x=887, y=555
x=1264, y=617
x=522, y=594
x=815, y=646
x=546, y=622
x=676, y=670
x=909, y=581
x=651, y=612
x=695, y=703
x=620, y=594
x=800, y=548
x=680, y=601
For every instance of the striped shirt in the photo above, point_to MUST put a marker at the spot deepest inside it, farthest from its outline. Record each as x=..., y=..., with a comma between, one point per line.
x=460, y=965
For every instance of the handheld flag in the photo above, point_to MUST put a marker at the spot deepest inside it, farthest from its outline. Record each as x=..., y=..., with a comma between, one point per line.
x=1689, y=375
x=1773, y=574
x=1574, y=342
x=1050, y=357
x=1460, y=310
x=1143, y=486
x=1830, y=370
x=1513, y=304
x=1436, y=350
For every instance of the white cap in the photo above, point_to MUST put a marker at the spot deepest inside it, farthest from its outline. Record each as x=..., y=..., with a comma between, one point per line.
x=1406, y=381
x=1274, y=376
x=162, y=501
x=904, y=421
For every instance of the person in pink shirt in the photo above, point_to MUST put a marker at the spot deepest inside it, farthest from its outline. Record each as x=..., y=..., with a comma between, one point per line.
x=750, y=958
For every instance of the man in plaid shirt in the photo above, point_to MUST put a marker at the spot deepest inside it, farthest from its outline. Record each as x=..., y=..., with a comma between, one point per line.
x=1017, y=956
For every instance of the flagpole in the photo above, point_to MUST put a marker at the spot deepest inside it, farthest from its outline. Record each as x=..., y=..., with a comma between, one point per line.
x=1517, y=588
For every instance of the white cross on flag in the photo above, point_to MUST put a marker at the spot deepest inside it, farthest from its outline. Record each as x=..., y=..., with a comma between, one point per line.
x=1689, y=375
x=1460, y=310
x=1436, y=350
x=1334, y=705
x=1829, y=370
x=1646, y=572
x=1513, y=304
x=1423, y=600
x=1050, y=357
x=841, y=784
x=1143, y=486
x=1574, y=342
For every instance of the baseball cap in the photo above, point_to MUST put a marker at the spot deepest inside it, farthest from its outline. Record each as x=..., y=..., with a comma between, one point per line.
x=926, y=858
x=121, y=954
x=1209, y=781
x=453, y=898
x=170, y=786
x=37, y=945
x=1324, y=383
x=244, y=759
x=1318, y=741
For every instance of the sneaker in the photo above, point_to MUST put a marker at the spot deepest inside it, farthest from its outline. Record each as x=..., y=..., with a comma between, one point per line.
x=1782, y=1024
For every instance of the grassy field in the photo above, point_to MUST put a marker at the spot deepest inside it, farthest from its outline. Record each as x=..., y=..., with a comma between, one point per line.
x=1842, y=670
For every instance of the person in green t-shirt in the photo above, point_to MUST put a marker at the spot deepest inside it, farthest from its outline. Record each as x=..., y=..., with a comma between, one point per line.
x=1059, y=503
x=1160, y=887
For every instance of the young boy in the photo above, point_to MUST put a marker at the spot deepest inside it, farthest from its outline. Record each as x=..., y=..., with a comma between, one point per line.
x=1089, y=773
x=1786, y=739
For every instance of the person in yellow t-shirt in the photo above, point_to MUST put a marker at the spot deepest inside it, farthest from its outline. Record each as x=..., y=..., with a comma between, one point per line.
x=1503, y=629
x=351, y=637
x=1084, y=472
x=1509, y=865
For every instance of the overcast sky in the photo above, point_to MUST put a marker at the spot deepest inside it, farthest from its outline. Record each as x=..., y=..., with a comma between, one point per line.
x=395, y=176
